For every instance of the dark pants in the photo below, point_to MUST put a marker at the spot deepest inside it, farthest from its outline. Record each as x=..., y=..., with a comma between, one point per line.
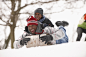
x=79, y=32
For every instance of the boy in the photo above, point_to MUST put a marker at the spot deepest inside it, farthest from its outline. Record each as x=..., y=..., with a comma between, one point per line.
x=38, y=13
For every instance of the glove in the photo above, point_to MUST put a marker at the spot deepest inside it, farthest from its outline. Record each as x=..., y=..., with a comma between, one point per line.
x=46, y=38
x=24, y=41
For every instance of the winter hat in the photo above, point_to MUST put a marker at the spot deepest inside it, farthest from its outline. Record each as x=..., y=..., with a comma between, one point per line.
x=39, y=10
x=85, y=17
x=32, y=21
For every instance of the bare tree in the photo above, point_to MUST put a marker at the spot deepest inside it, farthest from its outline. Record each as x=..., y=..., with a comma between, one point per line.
x=11, y=22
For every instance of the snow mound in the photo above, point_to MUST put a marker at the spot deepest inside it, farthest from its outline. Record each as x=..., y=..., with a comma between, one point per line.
x=73, y=49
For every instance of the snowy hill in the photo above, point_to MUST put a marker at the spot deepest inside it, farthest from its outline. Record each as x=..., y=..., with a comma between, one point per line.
x=73, y=49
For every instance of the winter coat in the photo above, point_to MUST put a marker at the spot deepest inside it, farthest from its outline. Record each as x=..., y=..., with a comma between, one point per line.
x=57, y=34
x=46, y=22
x=82, y=23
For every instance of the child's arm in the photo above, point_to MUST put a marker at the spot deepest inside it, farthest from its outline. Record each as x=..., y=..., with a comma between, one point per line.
x=50, y=23
x=47, y=22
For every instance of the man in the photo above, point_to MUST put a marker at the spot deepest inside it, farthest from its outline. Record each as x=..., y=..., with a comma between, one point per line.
x=53, y=36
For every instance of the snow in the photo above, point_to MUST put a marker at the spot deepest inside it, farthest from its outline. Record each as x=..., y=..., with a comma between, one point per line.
x=73, y=49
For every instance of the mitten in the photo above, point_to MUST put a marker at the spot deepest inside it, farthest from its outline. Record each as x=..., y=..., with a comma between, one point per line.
x=46, y=38
x=24, y=41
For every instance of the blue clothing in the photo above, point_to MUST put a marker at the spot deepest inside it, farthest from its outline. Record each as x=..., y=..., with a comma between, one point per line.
x=41, y=20
x=45, y=22
x=64, y=39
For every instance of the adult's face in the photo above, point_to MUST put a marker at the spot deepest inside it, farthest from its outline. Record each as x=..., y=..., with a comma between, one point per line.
x=38, y=16
x=32, y=28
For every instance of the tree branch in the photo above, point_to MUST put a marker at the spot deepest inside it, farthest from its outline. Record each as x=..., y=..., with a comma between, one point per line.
x=3, y=20
x=7, y=22
x=44, y=13
x=26, y=13
x=72, y=3
x=68, y=1
x=7, y=5
x=36, y=3
x=3, y=24
x=21, y=7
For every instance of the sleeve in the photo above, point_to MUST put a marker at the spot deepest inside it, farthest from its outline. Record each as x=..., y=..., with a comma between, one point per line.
x=17, y=42
x=50, y=23
x=81, y=21
x=56, y=33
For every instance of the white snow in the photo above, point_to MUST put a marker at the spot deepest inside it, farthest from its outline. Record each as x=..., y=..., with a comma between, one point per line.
x=73, y=49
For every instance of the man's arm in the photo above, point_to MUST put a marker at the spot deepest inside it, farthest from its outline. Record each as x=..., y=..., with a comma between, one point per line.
x=55, y=33
x=21, y=41
x=17, y=44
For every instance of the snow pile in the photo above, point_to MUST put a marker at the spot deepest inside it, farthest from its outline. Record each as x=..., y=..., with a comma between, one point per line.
x=73, y=49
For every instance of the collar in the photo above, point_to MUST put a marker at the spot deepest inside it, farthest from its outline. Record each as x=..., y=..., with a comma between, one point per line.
x=41, y=20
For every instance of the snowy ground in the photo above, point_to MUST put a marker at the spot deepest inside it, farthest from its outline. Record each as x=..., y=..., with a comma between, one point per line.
x=73, y=49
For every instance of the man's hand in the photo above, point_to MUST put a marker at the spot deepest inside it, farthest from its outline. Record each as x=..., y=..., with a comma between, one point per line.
x=24, y=41
x=46, y=38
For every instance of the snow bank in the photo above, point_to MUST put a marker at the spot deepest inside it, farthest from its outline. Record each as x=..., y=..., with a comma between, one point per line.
x=73, y=49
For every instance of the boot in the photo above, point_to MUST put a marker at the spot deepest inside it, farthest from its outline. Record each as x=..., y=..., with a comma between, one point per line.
x=62, y=23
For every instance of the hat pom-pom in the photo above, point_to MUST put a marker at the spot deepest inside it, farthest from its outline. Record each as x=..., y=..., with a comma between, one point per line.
x=29, y=18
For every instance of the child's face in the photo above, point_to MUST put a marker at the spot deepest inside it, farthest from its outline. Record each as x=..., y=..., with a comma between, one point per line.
x=32, y=28
x=38, y=16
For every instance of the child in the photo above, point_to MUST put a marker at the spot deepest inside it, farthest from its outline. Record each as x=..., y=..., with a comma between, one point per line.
x=81, y=27
x=38, y=13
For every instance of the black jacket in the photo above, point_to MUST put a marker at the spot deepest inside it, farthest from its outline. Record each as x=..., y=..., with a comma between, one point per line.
x=45, y=22
x=48, y=22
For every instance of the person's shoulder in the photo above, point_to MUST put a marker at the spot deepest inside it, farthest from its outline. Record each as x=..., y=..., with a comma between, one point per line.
x=46, y=18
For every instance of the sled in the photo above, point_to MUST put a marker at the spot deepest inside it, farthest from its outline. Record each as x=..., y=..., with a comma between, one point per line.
x=35, y=41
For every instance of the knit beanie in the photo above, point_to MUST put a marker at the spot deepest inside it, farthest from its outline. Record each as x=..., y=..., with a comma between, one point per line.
x=85, y=17
x=39, y=10
x=32, y=21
